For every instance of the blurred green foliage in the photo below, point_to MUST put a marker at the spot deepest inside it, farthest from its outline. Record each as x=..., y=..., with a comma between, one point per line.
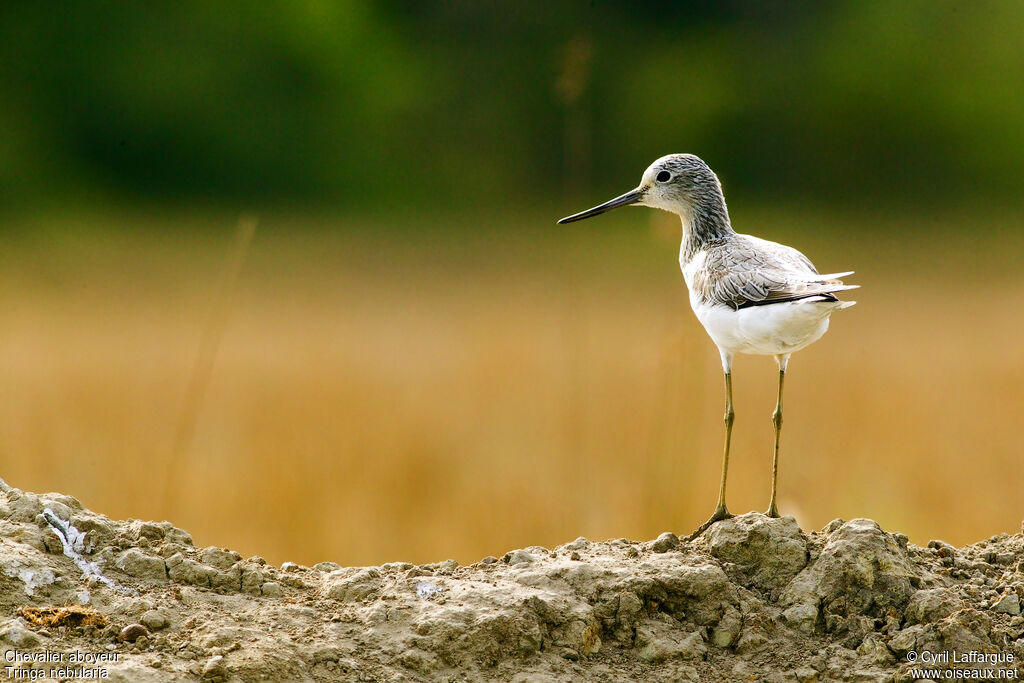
x=401, y=103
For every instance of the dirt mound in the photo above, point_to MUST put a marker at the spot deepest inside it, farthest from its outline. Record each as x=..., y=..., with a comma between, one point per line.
x=755, y=599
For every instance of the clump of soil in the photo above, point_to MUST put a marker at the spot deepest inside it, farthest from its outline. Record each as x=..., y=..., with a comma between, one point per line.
x=754, y=599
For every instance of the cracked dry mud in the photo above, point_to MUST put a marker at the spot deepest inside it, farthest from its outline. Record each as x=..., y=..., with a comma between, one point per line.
x=754, y=599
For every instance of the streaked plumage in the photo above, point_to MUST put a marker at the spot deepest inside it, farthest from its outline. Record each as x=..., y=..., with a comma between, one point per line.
x=751, y=295
x=759, y=297
x=742, y=271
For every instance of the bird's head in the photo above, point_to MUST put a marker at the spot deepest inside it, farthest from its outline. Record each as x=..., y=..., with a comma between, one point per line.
x=675, y=183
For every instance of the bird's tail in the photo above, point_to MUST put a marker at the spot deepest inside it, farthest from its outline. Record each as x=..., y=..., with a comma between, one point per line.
x=834, y=284
x=832, y=278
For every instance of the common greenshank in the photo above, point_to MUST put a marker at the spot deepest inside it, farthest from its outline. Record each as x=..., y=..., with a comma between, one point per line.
x=751, y=295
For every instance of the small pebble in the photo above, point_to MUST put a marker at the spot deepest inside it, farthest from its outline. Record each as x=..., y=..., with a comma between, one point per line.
x=579, y=544
x=665, y=542
x=214, y=667
x=271, y=589
x=519, y=557
x=1008, y=604
x=153, y=619
x=132, y=632
x=833, y=525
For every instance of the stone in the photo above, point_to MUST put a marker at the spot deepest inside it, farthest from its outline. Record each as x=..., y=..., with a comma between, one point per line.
x=802, y=616
x=758, y=633
x=395, y=567
x=727, y=631
x=272, y=589
x=63, y=499
x=905, y=640
x=874, y=650
x=664, y=543
x=767, y=553
x=251, y=580
x=148, y=530
x=419, y=661
x=219, y=558
x=699, y=593
x=153, y=619
x=658, y=641
x=942, y=549
x=132, y=632
x=23, y=507
x=580, y=543
x=60, y=509
x=215, y=668
x=628, y=611
x=135, y=672
x=931, y=605
x=833, y=525
x=861, y=571
x=225, y=637
x=35, y=537
x=326, y=567
x=354, y=588
x=227, y=581
x=805, y=674
x=189, y=571
x=173, y=534
x=16, y=632
x=1007, y=604
x=965, y=631
x=520, y=557
x=134, y=562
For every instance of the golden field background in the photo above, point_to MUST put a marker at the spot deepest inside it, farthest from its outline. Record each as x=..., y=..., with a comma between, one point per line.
x=417, y=388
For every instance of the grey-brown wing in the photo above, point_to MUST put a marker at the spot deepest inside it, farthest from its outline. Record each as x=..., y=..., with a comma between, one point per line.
x=748, y=271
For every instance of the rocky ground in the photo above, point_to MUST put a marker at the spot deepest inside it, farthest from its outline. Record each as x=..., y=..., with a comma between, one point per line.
x=755, y=599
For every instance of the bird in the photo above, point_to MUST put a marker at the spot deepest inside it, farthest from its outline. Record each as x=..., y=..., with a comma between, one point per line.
x=751, y=295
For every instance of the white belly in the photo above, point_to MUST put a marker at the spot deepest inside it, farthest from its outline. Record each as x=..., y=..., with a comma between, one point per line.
x=766, y=330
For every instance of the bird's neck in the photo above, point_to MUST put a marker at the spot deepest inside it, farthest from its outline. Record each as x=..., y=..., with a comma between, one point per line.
x=704, y=222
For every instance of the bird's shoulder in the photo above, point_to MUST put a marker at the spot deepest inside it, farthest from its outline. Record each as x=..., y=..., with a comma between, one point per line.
x=745, y=252
x=745, y=257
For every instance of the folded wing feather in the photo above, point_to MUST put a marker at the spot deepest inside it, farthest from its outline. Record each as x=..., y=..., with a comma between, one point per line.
x=748, y=271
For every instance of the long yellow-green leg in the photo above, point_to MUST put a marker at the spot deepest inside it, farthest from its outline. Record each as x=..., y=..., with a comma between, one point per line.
x=722, y=512
x=783, y=360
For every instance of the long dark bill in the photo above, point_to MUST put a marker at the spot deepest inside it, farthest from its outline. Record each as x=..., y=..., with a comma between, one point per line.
x=631, y=197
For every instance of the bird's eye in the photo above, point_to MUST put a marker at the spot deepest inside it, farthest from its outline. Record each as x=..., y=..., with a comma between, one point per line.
x=664, y=177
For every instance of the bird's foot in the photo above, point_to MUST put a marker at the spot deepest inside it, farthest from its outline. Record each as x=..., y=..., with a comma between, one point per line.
x=721, y=512
x=773, y=511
